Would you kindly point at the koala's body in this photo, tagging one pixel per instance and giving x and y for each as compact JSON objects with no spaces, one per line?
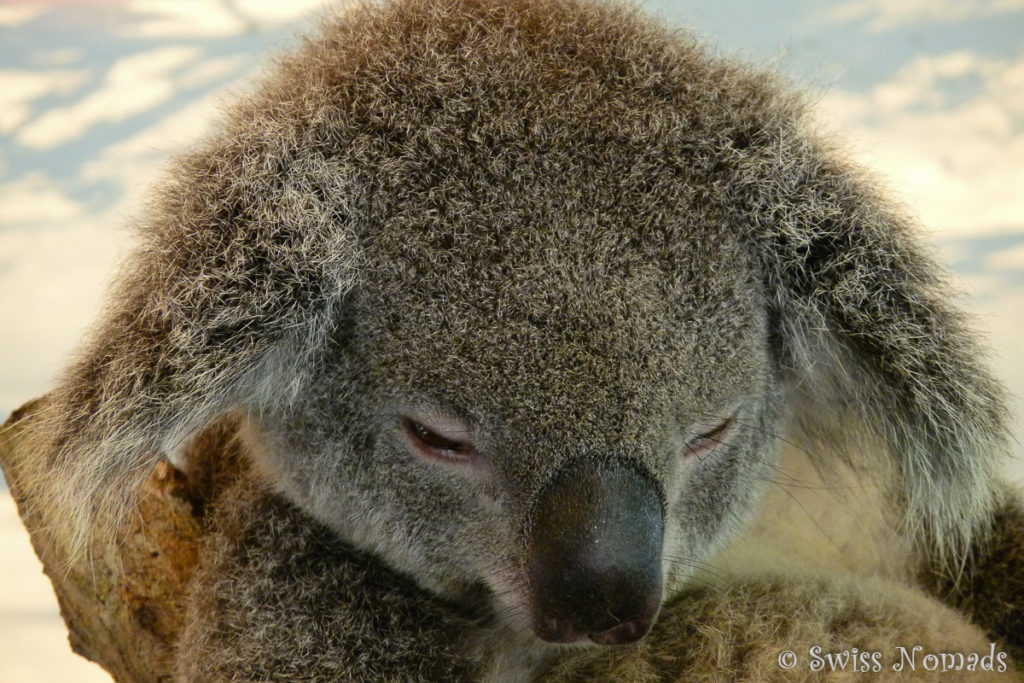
{"x":519,"y":300}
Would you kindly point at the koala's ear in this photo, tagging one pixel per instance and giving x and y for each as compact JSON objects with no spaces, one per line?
{"x":227,"y":305}
{"x":872,"y":347}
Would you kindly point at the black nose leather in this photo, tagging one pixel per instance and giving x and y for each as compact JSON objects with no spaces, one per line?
{"x":595,"y":554}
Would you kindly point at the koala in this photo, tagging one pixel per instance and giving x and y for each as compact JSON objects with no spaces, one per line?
{"x":523,"y":305}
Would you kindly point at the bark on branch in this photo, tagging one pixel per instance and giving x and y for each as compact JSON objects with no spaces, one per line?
{"x":123,"y":604}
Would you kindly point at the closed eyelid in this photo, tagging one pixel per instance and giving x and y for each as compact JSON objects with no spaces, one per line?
{"x":434,"y":437}
{"x":705,"y":438}
{"x":451,"y":443}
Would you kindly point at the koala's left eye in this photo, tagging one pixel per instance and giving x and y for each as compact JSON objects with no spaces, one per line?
{"x":708,"y":440}
{"x":430,"y":443}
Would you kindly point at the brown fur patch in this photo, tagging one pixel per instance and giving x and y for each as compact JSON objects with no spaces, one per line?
{"x":991,"y":587}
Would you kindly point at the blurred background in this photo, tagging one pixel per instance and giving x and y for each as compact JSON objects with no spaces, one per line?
{"x":96,"y":95}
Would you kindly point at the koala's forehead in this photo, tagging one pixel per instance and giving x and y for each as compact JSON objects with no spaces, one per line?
{"x":543,"y":201}
{"x":571,"y":315}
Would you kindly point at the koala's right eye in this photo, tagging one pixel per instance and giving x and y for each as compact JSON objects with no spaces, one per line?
{"x":435,"y":445}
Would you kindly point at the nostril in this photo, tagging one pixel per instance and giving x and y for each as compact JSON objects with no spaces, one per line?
{"x":629,"y":632}
{"x":559,"y":631}
{"x":565,"y":631}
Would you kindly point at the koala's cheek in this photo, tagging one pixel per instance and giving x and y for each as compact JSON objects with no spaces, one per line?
{"x":715,"y":498}
{"x":594,"y":558}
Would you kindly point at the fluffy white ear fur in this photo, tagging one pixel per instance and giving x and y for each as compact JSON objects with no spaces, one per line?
{"x":876,"y":352}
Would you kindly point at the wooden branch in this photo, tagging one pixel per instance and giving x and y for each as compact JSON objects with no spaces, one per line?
{"x":123,"y":604}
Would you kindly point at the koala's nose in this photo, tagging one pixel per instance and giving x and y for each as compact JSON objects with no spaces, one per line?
{"x":595,"y":555}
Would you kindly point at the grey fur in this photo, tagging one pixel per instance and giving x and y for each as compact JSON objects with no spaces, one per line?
{"x":566,"y":228}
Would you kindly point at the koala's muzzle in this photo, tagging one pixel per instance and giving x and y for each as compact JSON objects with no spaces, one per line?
{"x":595,"y":555}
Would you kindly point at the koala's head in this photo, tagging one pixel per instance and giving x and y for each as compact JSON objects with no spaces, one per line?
{"x":552,"y":376}
{"x":518,"y":293}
